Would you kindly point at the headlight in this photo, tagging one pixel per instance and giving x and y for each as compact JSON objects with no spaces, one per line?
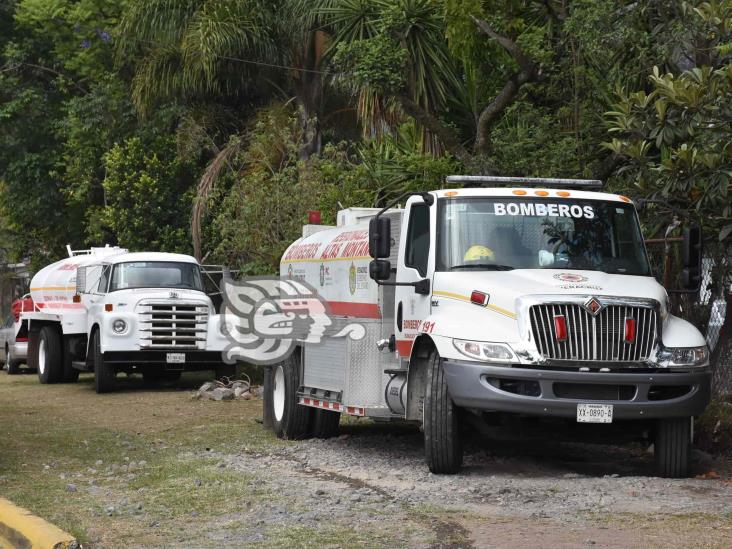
{"x":481,"y":350}
{"x":119,"y":326}
{"x":683,"y":357}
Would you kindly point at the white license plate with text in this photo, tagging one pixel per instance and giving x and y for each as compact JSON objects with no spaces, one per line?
{"x":595,"y":413}
{"x":175,"y":358}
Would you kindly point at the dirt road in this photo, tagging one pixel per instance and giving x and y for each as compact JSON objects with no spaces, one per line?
{"x":154,"y":468}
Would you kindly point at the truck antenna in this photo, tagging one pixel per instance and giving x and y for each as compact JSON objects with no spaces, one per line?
{"x":480,"y":180}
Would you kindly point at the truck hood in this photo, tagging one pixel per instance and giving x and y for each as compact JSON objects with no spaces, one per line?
{"x":453,"y":289}
{"x":506,"y":286}
{"x":130,"y":298}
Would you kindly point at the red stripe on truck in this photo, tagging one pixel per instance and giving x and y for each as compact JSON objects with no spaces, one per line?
{"x":352,"y":308}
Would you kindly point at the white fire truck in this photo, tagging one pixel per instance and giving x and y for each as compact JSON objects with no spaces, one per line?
{"x":107,"y":310}
{"x":522,"y":300}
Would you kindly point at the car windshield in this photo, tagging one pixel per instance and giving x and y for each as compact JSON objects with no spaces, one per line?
{"x":155,"y":274}
{"x":513,"y":233}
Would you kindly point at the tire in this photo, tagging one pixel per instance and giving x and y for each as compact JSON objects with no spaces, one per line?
{"x":11,"y":364}
{"x":672,"y":447}
{"x":50,"y":355}
{"x":104,"y":374}
{"x":70,"y":374}
{"x":289,"y":419}
{"x":326,"y":423}
{"x":227,"y":370}
{"x":267,"y":411}
{"x":442,"y":445}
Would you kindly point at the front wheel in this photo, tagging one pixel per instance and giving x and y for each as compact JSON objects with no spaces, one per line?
{"x":672,"y":447}
{"x":442,"y":445}
{"x":104,"y":373}
{"x":289,"y":419}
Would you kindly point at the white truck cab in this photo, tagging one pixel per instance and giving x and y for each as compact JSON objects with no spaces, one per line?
{"x":523,"y":300}
{"x":107,"y":310}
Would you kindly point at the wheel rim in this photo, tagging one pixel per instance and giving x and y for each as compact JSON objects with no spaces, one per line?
{"x":278,"y":393}
{"x":42,"y":357}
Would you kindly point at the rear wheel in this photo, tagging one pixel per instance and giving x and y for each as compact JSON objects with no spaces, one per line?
{"x":443,"y":449}
{"x":104,"y":374}
{"x":49,"y":355}
{"x":672,"y":447}
{"x":290,"y":420}
{"x":326,"y":423}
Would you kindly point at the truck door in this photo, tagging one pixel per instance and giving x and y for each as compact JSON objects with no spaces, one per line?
{"x":414,"y":264}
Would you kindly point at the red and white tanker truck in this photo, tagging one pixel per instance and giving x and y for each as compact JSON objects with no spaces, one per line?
{"x":106,"y":310}
{"x":510,"y":299}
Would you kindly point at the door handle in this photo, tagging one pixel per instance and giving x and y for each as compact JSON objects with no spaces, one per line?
{"x":399,"y":316}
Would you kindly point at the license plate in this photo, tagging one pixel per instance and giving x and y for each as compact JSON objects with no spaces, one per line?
{"x":175,"y":358}
{"x":595,"y":413}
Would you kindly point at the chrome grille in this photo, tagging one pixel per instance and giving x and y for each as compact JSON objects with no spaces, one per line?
{"x":173,"y":325}
{"x":594,"y":338}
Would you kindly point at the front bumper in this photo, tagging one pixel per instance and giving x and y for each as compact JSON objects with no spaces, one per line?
{"x":557,"y":393}
{"x":194,"y":360}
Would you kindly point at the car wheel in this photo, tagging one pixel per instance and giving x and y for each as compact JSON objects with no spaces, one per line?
{"x":11,"y":364}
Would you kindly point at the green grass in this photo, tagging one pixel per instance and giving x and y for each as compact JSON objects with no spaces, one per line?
{"x":56,"y":435}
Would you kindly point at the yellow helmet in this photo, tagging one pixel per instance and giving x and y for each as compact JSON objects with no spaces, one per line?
{"x":476,"y":253}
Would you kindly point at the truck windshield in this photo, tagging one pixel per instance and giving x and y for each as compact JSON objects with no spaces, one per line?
{"x":550,"y":233}
{"x":155,"y":274}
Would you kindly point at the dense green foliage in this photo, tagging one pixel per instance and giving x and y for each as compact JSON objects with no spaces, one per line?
{"x":215,"y":125}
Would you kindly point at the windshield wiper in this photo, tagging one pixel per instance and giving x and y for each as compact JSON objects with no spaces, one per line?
{"x":483,"y":267}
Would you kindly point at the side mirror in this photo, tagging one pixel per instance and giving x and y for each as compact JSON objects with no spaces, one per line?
{"x":81,"y":280}
{"x":380,"y":269}
{"x":380,"y":237}
{"x":691,"y":258}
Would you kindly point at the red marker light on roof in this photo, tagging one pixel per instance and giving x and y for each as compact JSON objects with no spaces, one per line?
{"x":479,"y":298}
{"x":629,"y":330}
{"x":314,"y":217}
{"x":560,"y":327}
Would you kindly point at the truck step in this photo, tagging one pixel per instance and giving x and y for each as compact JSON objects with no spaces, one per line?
{"x":79,"y":365}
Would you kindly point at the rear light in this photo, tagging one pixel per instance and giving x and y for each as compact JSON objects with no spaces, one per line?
{"x":314,"y":217}
{"x":479,"y":298}
{"x":629,"y":330}
{"x":560,"y":328}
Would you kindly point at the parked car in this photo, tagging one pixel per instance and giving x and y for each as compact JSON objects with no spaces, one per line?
{"x":14,"y":348}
